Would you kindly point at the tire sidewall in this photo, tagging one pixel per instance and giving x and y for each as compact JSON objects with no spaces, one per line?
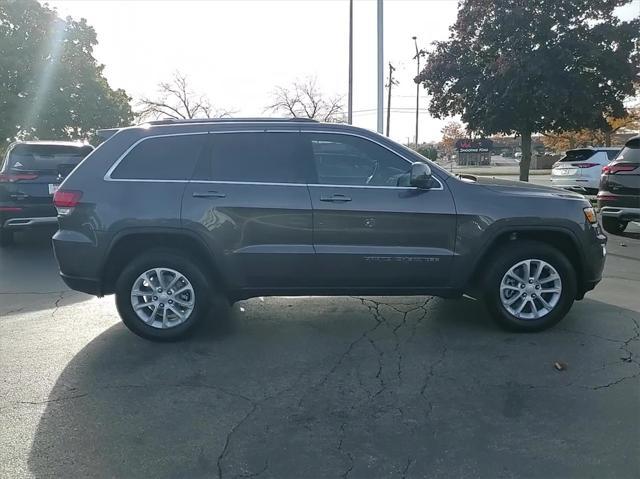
{"x":614,"y":225}
{"x":162,"y":259}
{"x":519,"y":251}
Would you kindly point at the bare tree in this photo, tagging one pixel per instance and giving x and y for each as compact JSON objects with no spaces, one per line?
{"x":177,"y":100}
{"x":305,"y":100}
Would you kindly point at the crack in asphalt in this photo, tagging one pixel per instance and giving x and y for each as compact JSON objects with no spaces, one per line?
{"x":56,"y":305}
{"x":228,"y":438}
{"x":429,"y":376}
{"x":630,"y":358}
{"x":405,"y":471}
{"x":349,"y":456}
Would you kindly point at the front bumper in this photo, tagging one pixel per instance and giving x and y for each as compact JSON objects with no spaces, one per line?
{"x":85,"y":285}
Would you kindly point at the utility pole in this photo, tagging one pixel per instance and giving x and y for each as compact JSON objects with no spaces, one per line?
{"x":417,"y":58}
{"x":380,"y":71}
{"x":350,"y":95}
{"x":392,"y":82}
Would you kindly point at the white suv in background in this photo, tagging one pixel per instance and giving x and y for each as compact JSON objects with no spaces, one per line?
{"x":580,"y":169}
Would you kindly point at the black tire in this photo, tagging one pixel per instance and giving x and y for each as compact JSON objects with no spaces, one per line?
{"x":510,"y":255}
{"x":614,"y":225}
{"x":6,"y":238}
{"x":162,"y":258}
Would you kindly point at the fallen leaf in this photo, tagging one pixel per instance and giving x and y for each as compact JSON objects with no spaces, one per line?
{"x":560,"y":366}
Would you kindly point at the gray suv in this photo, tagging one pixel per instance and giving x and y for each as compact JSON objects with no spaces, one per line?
{"x":167,"y":214}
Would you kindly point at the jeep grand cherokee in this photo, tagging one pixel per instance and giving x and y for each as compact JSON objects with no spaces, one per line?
{"x":167,"y":214}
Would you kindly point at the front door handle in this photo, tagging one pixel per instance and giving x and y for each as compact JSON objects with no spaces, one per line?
{"x":335,"y":198}
{"x":208,"y":194}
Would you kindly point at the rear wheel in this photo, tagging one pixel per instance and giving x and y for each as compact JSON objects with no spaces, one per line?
{"x":162,"y":295}
{"x":529,"y":286}
{"x":613,"y":225}
{"x":6,"y":237}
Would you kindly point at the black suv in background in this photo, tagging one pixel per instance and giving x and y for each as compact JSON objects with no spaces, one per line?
{"x":166,"y":214}
{"x":29,"y":176}
{"x":619,"y":195}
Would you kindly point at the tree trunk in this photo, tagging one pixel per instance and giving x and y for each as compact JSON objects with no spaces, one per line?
{"x":525,"y":161}
{"x":607,"y":138}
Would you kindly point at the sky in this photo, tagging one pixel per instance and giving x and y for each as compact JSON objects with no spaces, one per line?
{"x":237,"y":51}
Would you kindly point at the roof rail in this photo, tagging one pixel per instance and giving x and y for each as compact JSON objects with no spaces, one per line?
{"x":171,"y":121}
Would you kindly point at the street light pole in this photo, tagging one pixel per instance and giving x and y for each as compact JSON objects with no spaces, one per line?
{"x":417,"y":57}
{"x":350,"y":95}
{"x":380,"y":71}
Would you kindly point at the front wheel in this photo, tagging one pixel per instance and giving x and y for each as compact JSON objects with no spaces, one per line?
{"x":614,"y":225}
{"x":529,"y":286}
{"x":162,"y":295}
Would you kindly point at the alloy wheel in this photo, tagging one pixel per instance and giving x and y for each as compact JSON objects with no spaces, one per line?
{"x":530,"y":289}
{"x":162,"y":298}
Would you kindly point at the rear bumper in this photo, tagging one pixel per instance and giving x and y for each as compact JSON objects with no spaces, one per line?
{"x":85,"y":285}
{"x":79,"y":258}
{"x":620,"y":212}
{"x":581,"y":184}
{"x":27,"y":222}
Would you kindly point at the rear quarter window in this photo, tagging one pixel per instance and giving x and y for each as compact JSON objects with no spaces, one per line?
{"x":161,"y":158}
{"x":630,"y":154}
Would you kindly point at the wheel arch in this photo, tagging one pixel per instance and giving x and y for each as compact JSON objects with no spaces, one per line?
{"x":130,"y":243}
{"x":564,"y":240}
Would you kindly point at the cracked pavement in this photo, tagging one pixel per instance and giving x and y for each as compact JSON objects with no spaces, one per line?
{"x":353,"y":387}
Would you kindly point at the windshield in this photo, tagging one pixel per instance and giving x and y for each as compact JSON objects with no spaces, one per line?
{"x":44,"y":158}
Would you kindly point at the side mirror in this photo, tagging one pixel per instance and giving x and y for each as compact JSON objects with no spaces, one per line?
{"x":420,"y":176}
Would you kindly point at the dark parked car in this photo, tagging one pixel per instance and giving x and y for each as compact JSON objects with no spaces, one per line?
{"x":29,"y":175}
{"x":167,"y":214}
{"x":619,"y":195}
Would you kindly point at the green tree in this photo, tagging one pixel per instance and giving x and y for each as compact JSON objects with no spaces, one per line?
{"x":51,"y":86}
{"x":428,"y":151}
{"x":527,"y":66}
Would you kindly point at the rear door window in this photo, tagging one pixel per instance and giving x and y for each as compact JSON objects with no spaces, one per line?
{"x":45,"y":159}
{"x":578,"y":155}
{"x":262,"y":157}
{"x":162,"y":158}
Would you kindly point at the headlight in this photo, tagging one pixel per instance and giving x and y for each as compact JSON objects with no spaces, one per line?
{"x":590,"y":215}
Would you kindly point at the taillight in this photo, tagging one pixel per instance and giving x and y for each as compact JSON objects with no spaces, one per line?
{"x":66,"y":200}
{"x":11,"y":178}
{"x":584,"y":165}
{"x":613,"y":169}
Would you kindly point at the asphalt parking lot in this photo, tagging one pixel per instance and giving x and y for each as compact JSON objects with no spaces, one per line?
{"x":317,"y":387}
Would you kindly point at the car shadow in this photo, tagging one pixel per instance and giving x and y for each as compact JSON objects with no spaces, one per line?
{"x":29,"y":279}
{"x":276,"y":383}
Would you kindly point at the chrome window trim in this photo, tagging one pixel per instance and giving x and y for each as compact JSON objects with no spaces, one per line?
{"x":357,"y":135}
{"x":107,"y":176}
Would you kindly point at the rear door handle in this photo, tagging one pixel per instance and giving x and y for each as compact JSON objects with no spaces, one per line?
{"x":208,"y":194}
{"x":335,"y":198}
